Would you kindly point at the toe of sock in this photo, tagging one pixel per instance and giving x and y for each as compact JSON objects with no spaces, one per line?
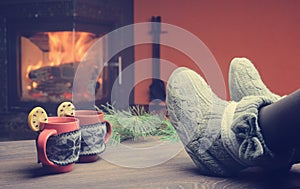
{"x":244,"y":80}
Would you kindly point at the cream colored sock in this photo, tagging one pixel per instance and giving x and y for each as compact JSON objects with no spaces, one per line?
{"x":244,"y":80}
{"x":221,"y":137}
{"x":196,"y":114}
{"x":190,"y":101}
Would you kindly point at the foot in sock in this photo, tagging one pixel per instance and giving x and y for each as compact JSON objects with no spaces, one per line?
{"x":189,"y":101}
{"x":221,"y":137}
{"x":244,"y":80}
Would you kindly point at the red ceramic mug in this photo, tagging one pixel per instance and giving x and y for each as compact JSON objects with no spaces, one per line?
{"x":95,"y":133}
{"x":58,"y":143}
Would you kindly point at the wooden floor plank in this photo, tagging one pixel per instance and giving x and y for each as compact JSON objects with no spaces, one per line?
{"x":19,"y":169}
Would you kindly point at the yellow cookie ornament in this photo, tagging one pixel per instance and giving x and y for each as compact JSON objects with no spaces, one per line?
{"x":65,"y":108}
{"x":36,"y":116}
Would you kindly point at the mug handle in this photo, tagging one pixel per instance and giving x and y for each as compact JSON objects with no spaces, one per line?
{"x":108,"y":131}
{"x":41,"y":146}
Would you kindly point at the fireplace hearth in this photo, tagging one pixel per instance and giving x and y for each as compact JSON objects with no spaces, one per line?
{"x":41,"y":44}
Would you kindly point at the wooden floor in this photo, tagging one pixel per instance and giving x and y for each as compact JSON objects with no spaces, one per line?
{"x":18,"y":169}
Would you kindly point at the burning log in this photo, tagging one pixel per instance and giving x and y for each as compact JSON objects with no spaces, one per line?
{"x":61,"y":72}
{"x":53,"y":80}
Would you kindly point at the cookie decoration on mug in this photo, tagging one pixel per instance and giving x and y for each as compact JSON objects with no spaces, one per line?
{"x":65,"y":108}
{"x":37,"y":115}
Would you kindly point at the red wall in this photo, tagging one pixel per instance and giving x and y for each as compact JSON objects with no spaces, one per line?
{"x":265,"y":31}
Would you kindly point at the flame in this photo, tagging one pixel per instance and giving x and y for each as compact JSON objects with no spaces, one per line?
{"x":33,"y":67}
{"x":65,"y":47}
{"x":34,"y":85}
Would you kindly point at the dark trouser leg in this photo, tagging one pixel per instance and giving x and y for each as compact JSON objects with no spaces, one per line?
{"x":280,"y":123}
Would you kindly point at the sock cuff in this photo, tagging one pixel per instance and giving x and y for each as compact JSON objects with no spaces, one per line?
{"x":207,"y":149}
{"x":252,"y":149}
{"x":228,"y":136}
{"x":251,"y":145}
{"x":241,"y":134}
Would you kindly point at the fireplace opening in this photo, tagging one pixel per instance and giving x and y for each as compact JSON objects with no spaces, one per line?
{"x":48,"y":64}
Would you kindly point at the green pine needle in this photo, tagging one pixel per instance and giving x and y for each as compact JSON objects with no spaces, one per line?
{"x":136,"y":122}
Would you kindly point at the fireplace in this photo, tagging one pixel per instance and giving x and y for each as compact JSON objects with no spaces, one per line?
{"x":42,"y":43}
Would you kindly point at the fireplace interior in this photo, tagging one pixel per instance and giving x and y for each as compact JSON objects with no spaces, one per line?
{"x":48,"y":63}
{"x":41,"y":44}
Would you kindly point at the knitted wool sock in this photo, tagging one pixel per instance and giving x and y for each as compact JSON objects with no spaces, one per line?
{"x":190,"y":101}
{"x":243,"y":139}
{"x":221,"y":137}
{"x":244,"y":80}
{"x":241,"y":133}
{"x":196,"y":114}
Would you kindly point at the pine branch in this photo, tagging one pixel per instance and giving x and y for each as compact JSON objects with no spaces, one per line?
{"x":137,"y":122}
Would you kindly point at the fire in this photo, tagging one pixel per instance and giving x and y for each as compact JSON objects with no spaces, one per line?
{"x":34,"y":85}
{"x":65,"y":47}
{"x":33,"y":67}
